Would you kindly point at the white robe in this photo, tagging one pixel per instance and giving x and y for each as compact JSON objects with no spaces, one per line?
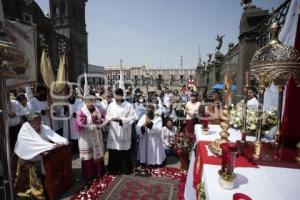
{"x":252,"y":103}
{"x":168,"y":136}
{"x":30,"y":144}
{"x":119,"y":137}
{"x":151,"y":145}
{"x":74,"y":108}
{"x":19,"y":110}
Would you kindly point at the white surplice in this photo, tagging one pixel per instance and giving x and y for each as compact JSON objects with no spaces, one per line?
{"x":73,"y":133}
{"x":151,"y":145}
{"x":119,"y":137}
{"x":19,"y":110}
{"x":31,"y":144}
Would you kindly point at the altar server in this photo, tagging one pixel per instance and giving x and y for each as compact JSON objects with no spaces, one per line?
{"x":39,"y":104}
{"x":90,"y":141}
{"x":149,"y":128}
{"x":70,"y":130}
{"x":252,"y":100}
{"x":120,"y":115}
{"x":15,"y":114}
{"x":34,"y":139}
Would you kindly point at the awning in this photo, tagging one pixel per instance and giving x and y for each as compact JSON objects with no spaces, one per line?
{"x":220,"y":86}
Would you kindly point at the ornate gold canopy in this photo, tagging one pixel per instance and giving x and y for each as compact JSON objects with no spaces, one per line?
{"x":275,"y":61}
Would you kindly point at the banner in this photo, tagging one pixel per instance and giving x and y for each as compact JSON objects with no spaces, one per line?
{"x":24,"y":38}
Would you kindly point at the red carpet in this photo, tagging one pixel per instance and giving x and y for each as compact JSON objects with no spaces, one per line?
{"x":100,"y":188}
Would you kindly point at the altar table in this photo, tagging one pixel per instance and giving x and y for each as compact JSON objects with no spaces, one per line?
{"x":258,"y":183}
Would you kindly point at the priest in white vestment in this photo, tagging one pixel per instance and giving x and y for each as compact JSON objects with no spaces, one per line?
{"x":34,"y":140}
{"x":121,"y":116}
{"x":149,"y":129}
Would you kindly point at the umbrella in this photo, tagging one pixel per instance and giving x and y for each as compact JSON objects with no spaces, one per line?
{"x":220,"y":86}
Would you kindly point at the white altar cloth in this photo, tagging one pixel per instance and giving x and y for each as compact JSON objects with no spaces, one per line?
{"x":258,"y":183}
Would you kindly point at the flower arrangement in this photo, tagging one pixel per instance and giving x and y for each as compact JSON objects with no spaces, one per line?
{"x":184,"y":141}
{"x":269,"y":118}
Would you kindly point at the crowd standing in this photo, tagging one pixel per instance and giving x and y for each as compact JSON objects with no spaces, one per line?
{"x":133,"y":127}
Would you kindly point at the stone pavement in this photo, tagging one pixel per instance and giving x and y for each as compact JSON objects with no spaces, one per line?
{"x":78,"y":183}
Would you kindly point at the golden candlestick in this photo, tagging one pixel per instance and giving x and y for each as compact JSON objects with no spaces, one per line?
{"x":214,"y":147}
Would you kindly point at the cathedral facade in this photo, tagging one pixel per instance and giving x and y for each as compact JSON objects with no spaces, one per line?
{"x":66,"y":22}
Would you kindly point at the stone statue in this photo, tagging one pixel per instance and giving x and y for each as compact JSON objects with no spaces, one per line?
{"x":246,"y":3}
{"x":209,"y":57}
{"x":220,"y":42}
{"x":230,"y":46}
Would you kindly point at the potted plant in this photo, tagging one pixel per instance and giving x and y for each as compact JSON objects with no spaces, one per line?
{"x":183,"y":145}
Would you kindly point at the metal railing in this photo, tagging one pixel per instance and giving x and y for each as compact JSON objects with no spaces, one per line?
{"x":279,"y":16}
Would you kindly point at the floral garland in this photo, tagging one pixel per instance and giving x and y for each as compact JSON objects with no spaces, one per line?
{"x":98,"y":186}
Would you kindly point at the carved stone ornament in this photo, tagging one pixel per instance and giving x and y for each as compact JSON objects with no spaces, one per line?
{"x":275,"y":61}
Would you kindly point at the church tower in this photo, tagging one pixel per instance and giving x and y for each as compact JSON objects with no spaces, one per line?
{"x":68,"y":19}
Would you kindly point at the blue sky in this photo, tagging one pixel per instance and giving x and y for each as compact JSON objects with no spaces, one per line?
{"x":157,"y":32}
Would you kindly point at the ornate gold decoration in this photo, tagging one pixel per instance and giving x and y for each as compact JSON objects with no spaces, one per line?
{"x":276,"y":63}
{"x":214,"y":147}
{"x":257,"y":150}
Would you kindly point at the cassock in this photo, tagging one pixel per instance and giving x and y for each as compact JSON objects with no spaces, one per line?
{"x":151,"y":150}
{"x":119,"y":137}
{"x":90,"y":143}
{"x":28,"y":148}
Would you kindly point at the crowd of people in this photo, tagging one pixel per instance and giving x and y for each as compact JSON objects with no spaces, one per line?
{"x":134,"y":127}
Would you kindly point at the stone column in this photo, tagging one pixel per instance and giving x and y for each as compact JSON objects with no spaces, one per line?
{"x":251,"y":17}
{"x":219,"y":58}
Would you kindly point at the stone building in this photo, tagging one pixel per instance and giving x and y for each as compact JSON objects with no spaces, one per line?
{"x":254,"y":34}
{"x":98,"y":75}
{"x":65,"y":23}
{"x":139,"y":77}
